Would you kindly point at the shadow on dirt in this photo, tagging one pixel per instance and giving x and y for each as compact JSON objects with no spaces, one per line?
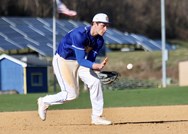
{"x":150,"y":122}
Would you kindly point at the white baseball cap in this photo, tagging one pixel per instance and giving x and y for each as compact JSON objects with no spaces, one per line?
{"x":101,"y":17}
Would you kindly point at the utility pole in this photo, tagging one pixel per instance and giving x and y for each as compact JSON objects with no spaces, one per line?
{"x":54,"y":37}
{"x":163,"y":36}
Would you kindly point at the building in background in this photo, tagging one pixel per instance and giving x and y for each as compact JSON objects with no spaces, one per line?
{"x":24,"y":74}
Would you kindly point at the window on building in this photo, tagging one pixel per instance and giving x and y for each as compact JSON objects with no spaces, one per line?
{"x":36,"y":79}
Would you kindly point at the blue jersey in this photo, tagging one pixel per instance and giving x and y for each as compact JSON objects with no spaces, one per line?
{"x":79,"y":45}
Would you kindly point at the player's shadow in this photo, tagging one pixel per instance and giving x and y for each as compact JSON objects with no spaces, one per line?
{"x":150,"y":122}
{"x":138,"y":122}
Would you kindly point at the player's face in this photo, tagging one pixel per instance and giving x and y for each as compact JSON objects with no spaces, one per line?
{"x":101,"y":28}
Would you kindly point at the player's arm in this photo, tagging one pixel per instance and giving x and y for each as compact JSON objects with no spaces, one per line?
{"x":92,"y":56}
{"x":80,"y":56}
{"x":101,"y":65}
{"x":78,"y":41}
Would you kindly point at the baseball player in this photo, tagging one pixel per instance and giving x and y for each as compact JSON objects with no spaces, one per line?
{"x":74,"y":58}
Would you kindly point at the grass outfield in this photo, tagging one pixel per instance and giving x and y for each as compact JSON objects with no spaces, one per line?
{"x":120,"y":98}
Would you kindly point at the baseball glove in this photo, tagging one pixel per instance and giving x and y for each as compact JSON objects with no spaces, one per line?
{"x":108,"y":77}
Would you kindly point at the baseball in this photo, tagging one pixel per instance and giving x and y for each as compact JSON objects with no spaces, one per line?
{"x":129,"y":66}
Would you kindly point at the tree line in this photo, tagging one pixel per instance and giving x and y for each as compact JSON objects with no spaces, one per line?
{"x":132,"y":16}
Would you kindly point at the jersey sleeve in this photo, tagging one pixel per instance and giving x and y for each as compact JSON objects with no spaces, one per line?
{"x":80,"y":56}
{"x":78,"y":41}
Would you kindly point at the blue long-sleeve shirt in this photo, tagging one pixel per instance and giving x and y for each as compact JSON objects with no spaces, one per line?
{"x":79,"y":45}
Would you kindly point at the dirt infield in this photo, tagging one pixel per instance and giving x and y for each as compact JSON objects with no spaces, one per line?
{"x":133,"y":120}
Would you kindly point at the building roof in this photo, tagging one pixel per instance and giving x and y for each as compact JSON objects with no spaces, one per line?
{"x":26,"y":60}
{"x":12,"y":59}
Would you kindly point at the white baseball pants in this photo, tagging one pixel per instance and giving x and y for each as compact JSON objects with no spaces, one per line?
{"x":68,"y":73}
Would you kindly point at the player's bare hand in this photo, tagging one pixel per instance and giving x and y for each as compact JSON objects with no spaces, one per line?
{"x":105,"y":61}
{"x":100,"y":66}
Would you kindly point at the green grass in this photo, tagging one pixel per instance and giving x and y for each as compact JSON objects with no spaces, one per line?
{"x":120,"y":98}
{"x":147,"y":65}
{"x":147,"y":97}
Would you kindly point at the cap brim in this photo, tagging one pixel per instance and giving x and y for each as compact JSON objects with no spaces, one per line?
{"x":102,"y":22}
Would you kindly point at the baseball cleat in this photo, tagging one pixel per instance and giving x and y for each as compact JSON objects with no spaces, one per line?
{"x":100,"y":121}
{"x":42,"y":109}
